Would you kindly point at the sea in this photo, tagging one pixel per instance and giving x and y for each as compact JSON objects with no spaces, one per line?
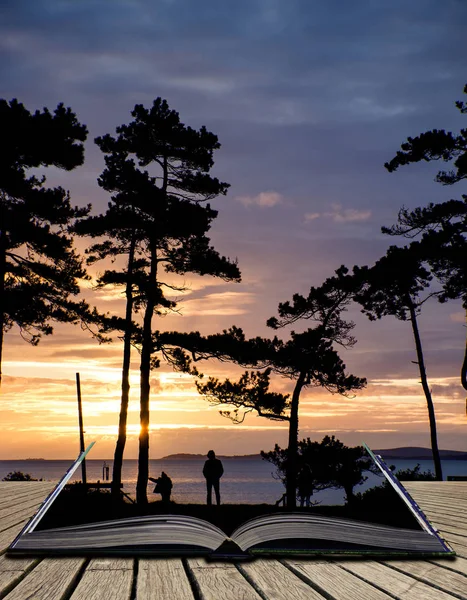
{"x":245,"y":481}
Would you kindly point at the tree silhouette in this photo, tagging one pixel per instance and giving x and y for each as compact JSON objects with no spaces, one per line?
{"x":333,"y":465}
{"x":323,"y":305}
{"x":306,"y":358}
{"x":162,"y":206}
{"x":118,"y":228}
{"x":249,"y":393}
{"x":39,"y":269}
{"x":392,"y":287}
{"x":443,"y":226}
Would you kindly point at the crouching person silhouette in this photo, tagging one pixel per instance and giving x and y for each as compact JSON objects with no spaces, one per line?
{"x":213,"y":471}
{"x":163,"y":487}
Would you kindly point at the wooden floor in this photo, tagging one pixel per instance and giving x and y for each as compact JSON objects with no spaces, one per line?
{"x":445,"y":503}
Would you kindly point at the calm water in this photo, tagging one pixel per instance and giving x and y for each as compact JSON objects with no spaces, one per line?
{"x":244,"y":481}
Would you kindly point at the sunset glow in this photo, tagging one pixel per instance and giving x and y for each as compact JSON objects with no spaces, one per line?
{"x":308,"y":106}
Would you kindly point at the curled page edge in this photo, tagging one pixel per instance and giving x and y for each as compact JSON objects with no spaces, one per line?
{"x":406,"y":497}
{"x":32,"y":523}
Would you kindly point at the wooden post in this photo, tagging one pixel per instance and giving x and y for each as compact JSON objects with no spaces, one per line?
{"x":81,"y":427}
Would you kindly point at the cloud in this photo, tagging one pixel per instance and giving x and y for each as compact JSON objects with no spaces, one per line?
{"x":223,"y":303}
{"x":308,"y":100}
{"x":263,"y":199}
{"x":338,"y":214}
{"x":458,"y":317}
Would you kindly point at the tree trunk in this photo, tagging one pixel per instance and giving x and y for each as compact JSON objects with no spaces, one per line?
{"x":349,"y":495}
{"x":292,"y":451}
{"x":464,"y":364}
{"x":122,"y":420}
{"x":145,"y":371}
{"x":426,"y":389}
{"x":2,"y":295}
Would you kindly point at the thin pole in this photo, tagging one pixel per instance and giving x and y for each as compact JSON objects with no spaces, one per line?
{"x":81,"y":427}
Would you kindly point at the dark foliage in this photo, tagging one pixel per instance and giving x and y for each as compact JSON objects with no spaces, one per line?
{"x":437,"y":144}
{"x":443,"y":226}
{"x":333,"y":465}
{"x":308,"y":358}
{"x":39,"y":269}
{"x":18,"y":476}
{"x":157,"y":170}
{"x":392,"y":287}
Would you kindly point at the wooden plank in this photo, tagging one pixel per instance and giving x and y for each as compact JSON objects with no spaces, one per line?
{"x":453,"y":484}
{"x":448,"y":518}
{"x":6,"y":484}
{"x":447,"y":489}
{"x":22,"y":515}
{"x":457,"y":511}
{"x":164,"y":579}
{"x":459,"y":549}
{"x":217,"y":581}
{"x":441,"y":501}
{"x":11,"y":487}
{"x":8,"y":535}
{"x":111,"y":578}
{"x":456,"y":564}
{"x":448,"y":524}
{"x":31,"y":504}
{"x":7,"y":487}
{"x":434,"y":513}
{"x":12,"y":570}
{"x":434,"y":574}
{"x":52,"y":579}
{"x":448,"y":534}
{"x":277,"y":582}
{"x":7,"y":494}
{"x":333,"y":580}
{"x":439,"y":498}
{"x":13,"y":499}
{"x":392,"y":581}
{"x":450,"y":490}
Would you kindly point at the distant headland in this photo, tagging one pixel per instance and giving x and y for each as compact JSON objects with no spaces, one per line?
{"x":416,"y":453}
{"x":405,"y":453}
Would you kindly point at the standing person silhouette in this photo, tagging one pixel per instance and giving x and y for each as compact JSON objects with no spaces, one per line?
{"x":213,"y":471}
{"x":305,"y":485}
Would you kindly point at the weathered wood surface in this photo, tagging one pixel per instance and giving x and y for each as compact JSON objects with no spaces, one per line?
{"x":335,"y":581}
{"x":220,"y":580}
{"x":105,"y":578}
{"x":444,"y":503}
{"x":278,"y":582}
{"x":51,"y":579}
{"x":396,"y":583}
{"x":164,"y":579}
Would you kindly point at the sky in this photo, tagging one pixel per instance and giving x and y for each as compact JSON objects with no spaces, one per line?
{"x":309,"y":99}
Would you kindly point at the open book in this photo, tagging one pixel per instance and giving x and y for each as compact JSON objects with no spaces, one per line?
{"x":297,"y":533}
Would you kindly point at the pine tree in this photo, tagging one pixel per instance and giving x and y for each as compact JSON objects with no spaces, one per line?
{"x":442,"y":226}
{"x":158,"y":171}
{"x":39,"y":269}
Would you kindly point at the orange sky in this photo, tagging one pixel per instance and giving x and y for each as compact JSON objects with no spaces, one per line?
{"x":38,"y":409}
{"x":308,"y":104}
